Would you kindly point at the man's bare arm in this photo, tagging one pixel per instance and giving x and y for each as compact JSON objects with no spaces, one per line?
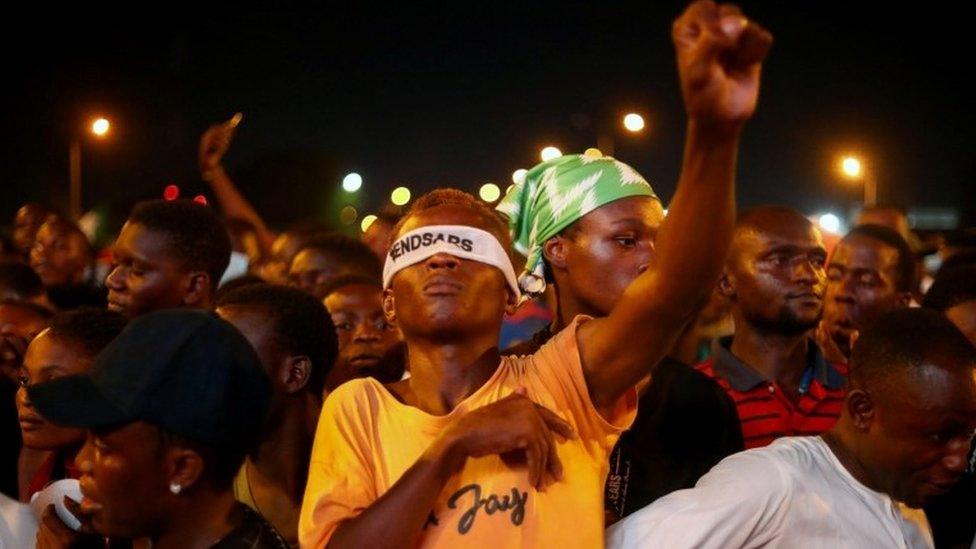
{"x":213,"y":145}
{"x":719,"y":57}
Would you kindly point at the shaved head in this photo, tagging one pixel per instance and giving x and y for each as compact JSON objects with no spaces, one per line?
{"x":897,"y":351}
{"x":773,"y":220}
{"x":910,"y":410}
{"x":774,"y":275}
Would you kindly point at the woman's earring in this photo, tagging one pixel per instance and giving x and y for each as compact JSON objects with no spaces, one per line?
{"x":175,"y":488}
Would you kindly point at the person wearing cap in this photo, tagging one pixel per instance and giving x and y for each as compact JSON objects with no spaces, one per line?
{"x":171,"y":407}
{"x":476,"y":449}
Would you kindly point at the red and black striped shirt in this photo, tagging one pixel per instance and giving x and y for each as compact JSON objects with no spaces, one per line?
{"x":765,"y":412}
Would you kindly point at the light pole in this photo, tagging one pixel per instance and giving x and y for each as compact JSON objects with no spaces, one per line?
{"x":100,"y":128}
{"x":605,"y":141}
{"x":853,"y":168}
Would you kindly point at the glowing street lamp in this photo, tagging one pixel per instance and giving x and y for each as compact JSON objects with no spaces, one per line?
{"x":366,"y":222}
{"x":400,"y":196}
{"x":518,"y":175}
{"x":634,"y":122}
{"x":550,"y":153}
{"x":99,"y":127}
{"x":489,"y":192}
{"x":352,"y":182}
{"x":853,"y":168}
{"x":829,"y":222}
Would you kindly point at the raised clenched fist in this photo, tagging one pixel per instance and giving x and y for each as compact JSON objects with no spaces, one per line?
{"x":720,"y":54}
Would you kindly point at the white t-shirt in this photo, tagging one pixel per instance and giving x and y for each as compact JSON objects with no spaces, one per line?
{"x":793,"y":493}
{"x":18,"y":527}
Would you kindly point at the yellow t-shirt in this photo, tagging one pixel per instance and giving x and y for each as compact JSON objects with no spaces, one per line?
{"x":367,"y":439}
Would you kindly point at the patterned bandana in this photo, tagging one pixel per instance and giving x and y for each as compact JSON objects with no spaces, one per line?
{"x":554,"y":194}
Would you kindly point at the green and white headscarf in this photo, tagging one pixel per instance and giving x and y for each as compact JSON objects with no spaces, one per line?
{"x":556,"y":193}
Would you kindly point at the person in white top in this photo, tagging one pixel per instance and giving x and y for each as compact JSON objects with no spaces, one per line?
{"x":909,"y":417}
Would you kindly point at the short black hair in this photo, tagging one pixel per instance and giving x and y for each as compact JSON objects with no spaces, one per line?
{"x":950,"y":288}
{"x":495,"y":223}
{"x":350,"y":280}
{"x":196,"y":236}
{"x":903,"y":340}
{"x":221,"y":464}
{"x":346,"y":250}
{"x":88,"y":328}
{"x":301,"y":325}
{"x":238,"y":282}
{"x":905,"y":265}
{"x":20,"y":280}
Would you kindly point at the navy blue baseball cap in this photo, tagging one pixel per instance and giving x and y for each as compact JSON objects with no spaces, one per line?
{"x":188,"y":372}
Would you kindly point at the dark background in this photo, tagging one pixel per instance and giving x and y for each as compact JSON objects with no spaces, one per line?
{"x":460,"y":94}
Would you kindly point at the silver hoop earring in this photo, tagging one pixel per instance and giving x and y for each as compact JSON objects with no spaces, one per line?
{"x":175,"y":488}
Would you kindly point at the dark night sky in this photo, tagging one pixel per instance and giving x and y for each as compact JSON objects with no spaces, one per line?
{"x":461,"y":95}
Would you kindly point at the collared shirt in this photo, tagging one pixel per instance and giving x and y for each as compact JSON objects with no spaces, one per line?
{"x":765,"y":411}
{"x":793,"y":493}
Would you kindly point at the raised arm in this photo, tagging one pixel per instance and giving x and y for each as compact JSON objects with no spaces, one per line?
{"x":213,"y":145}
{"x":719,"y":57}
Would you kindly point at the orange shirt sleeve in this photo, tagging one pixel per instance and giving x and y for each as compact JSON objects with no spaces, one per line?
{"x":340,"y":478}
{"x":558,"y":367}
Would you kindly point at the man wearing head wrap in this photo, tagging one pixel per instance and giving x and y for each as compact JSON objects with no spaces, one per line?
{"x":475,"y":449}
{"x":587,"y":224}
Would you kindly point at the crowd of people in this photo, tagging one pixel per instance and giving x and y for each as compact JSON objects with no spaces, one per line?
{"x":684,"y":377}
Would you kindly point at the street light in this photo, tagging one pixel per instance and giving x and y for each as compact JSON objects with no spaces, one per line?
{"x":854,"y":169}
{"x":550,"y":153}
{"x":851,"y":166}
{"x":400,"y":196}
{"x":348,"y":214}
{"x":99,"y":128}
{"x":518,"y":175}
{"x":634,"y":122}
{"x":366,"y":222}
{"x":352,"y":182}
{"x":489,"y":192}
{"x":607,"y":130}
{"x":829,"y":222}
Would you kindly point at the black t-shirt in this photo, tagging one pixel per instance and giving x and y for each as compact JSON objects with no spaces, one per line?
{"x":685,"y":425}
{"x":253,"y":533}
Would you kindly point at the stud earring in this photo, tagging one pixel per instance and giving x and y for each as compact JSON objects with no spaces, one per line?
{"x":175,"y":488}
